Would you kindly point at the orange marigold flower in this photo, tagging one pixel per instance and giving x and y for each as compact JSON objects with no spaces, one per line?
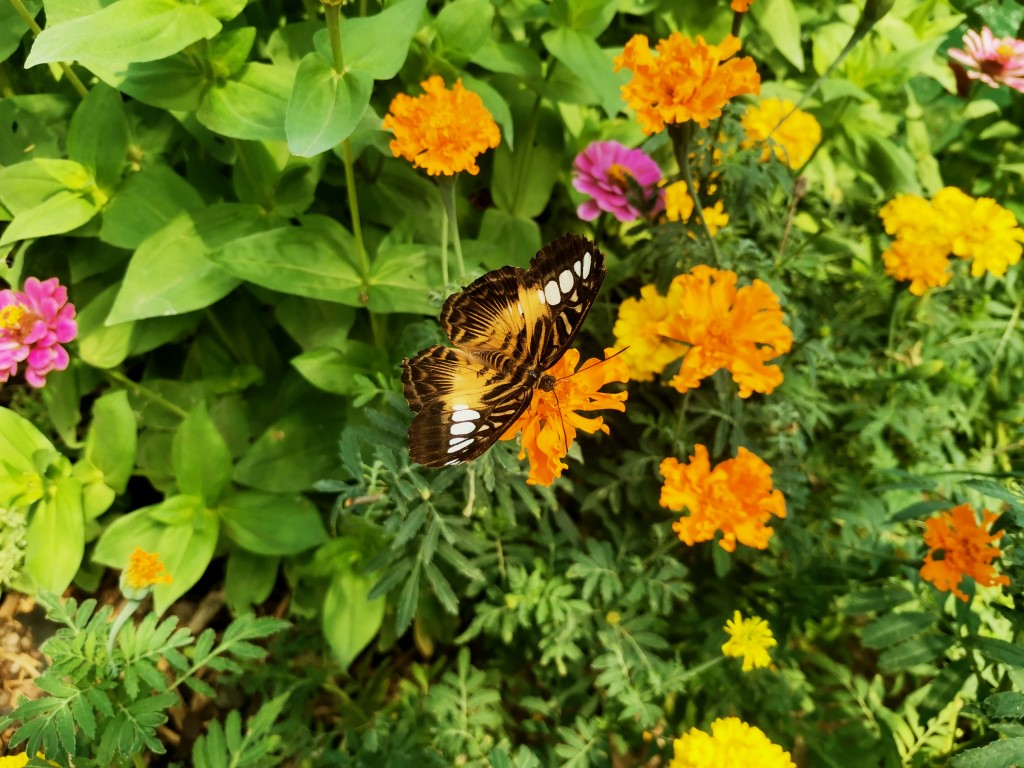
{"x":636,"y":328}
{"x":441,"y":131}
{"x":789,"y":133}
{"x":736,"y":498}
{"x":986,"y":232}
{"x":966,"y":550}
{"x":741,"y":6}
{"x":144,"y":570}
{"x":924,"y":267}
{"x":687,"y":80}
{"x":549,"y":425}
{"x":731,"y":742}
{"x":725,"y":327}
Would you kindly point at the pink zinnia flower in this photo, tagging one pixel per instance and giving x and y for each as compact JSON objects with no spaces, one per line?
{"x":620,"y":180}
{"x":33,"y":325}
{"x":992,"y":60}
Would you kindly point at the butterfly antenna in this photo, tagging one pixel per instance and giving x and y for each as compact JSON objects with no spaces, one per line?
{"x":599,"y":362}
{"x":558,"y":405}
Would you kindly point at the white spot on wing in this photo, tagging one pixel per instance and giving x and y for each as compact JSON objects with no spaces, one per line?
{"x":458,"y":443}
{"x":577,"y":268}
{"x":463,"y":428}
{"x":453,"y":461}
{"x":586,"y":264}
{"x":465,"y":414}
{"x":459,"y":407}
{"x":565,"y":281}
{"x":552,"y":293}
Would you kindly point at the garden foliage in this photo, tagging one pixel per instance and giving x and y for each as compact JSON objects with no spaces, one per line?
{"x":226,"y":223}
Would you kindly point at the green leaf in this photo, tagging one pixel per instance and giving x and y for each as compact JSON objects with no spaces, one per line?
{"x":778,"y":18}
{"x":140,"y":528}
{"x":324,"y":107}
{"x":400,"y":276}
{"x":20,"y":441}
{"x":60,"y":213}
{"x":894,"y":628}
{"x":333,"y":370}
{"x":111,"y":440}
{"x":464,"y":26}
{"x":515,"y":234}
{"x":145,"y":203}
{"x":997,"y":650}
{"x":186,"y":551}
{"x":350,"y":619}
{"x":314,"y":324}
{"x":249,"y":579}
{"x":175,"y":83}
{"x":1005,"y":705}
{"x":496,"y":105}
{"x":272,"y":523}
{"x":229,"y":51}
{"x":13,"y":27}
{"x":98,"y":135}
{"x":56,"y":537}
{"x":170,"y":273}
{"x":250,"y":105}
{"x":522,"y":182}
{"x":919,"y":650}
{"x":314,"y":260}
{"x":582,"y":55}
{"x":202,"y":462}
{"x":125,"y":31}
{"x":26,"y":185}
{"x":1005,"y":753}
{"x":379,"y":44}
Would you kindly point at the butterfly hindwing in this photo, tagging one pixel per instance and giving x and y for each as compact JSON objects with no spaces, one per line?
{"x":485,"y":315}
{"x":463,"y":403}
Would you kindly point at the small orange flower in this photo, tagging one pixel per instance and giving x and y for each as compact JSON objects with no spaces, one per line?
{"x":725,"y":327}
{"x":687,"y":81}
{"x":441,"y":131}
{"x":966,"y":550}
{"x":736,"y":498}
{"x":550,"y":413}
{"x":144,"y":570}
{"x":741,"y":6}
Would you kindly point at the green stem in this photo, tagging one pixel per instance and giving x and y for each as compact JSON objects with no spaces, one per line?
{"x":1011,"y":326}
{"x":147,"y":393}
{"x":444,"y":245}
{"x":119,"y":620}
{"x":333,"y":19}
{"x":30,"y":21}
{"x":447,"y":186}
{"x":681,"y":134}
{"x":353,"y":208}
{"x":6,"y":87}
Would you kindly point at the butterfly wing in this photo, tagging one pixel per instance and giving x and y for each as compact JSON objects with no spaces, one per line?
{"x":463,"y":404}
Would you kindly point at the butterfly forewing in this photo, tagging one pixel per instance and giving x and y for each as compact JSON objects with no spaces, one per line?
{"x":509,"y":326}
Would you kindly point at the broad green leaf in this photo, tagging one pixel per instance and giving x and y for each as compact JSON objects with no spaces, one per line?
{"x":332,"y":369}
{"x":126,"y":31}
{"x":401,"y":277}
{"x":379,"y":44}
{"x":524,"y":191}
{"x":272,"y":523}
{"x":30,"y":127}
{"x":229,"y":51}
{"x":582,"y":55}
{"x":1003,"y":753}
{"x":26,"y":185}
{"x":1007,"y":704}
{"x":144,"y":203}
{"x":314,"y":324}
{"x":778,"y":18}
{"x":894,"y":628}
{"x":56,"y":537}
{"x":249,"y":579}
{"x":324,"y":107}
{"x":111,"y":440}
{"x":202,"y":462}
{"x":250,"y":105}
{"x":140,"y":528}
{"x":186,"y":552}
{"x":60,"y":213}
{"x":919,"y":650}
{"x":170,"y":272}
{"x":514,"y":234}
{"x":19,"y":442}
{"x":999,"y":651}
{"x":589,"y":17}
{"x":350,"y":619}
{"x":98,"y":135}
{"x":223,"y":9}
{"x":315,"y":260}
{"x":464,"y":26}
{"x":509,"y":59}
{"x":175,"y":83}
{"x":891,"y":166}
{"x":13,"y":27}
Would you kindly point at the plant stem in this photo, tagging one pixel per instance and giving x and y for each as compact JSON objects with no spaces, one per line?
{"x":444,"y":245}
{"x":333,"y":19}
{"x":447,"y":186}
{"x":119,"y":620}
{"x":30,"y":21}
{"x":681,"y":134}
{"x":147,"y":393}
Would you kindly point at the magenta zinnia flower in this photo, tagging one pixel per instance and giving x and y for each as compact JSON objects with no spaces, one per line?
{"x":992,"y":60}
{"x":620,"y":180}
{"x":33,"y":325}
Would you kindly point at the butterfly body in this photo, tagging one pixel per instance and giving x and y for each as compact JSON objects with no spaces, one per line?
{"x":509,"y":326}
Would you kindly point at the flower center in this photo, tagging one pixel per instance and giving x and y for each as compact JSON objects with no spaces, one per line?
{"x":17,"y":321}
{"x":1004,"y":51}
{"x":992,"y":67}
{"x":619,"y":175}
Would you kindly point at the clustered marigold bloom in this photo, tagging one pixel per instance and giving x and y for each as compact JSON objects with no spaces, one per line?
{"x":993,"y":60}
{"x":687,"y":80}
{"x":679,"y":207}
{"x":749,"y":639}
{"x":34,"y":323}
{"x":736,"y":498}
{"x":145,"y":570}
{"x":549,"y":425}
{"x":792,"y":140}
{"x":927,"y":232}
{"x":441,"y":131}
{"x":646,"y":353}
{"x":620,"y":180}
{"x":730,"y":744}
{"x":966,"y":550}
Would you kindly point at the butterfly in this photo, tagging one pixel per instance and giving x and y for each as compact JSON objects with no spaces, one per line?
{"x":509,"y":326}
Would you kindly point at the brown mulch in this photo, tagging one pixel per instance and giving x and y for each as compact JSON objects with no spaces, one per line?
{"x":20,"y":660}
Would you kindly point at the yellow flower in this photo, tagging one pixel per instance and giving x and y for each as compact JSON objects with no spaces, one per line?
{"x":731,"y":744}
{"x":145,"y":570}
{"x":715,"y":217}
{"x":725,"y":327}
{"x":679,"y":207}
{"x":987,"y":233}
{"x":687,"y":81}
{"x":21,"y":760}
{"x":736,"y":498}
{"x":636,"y":328}
{"x":750,"y":640}
{"x":441,"y":131}
{"x":549,"y":425}
{"x":966,"y":549}
{"x":792,"y":140}
{"x":924,"y":267}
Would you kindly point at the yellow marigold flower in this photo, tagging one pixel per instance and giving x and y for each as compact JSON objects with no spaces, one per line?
{"x":687,"y":80}
{"x":749,"y":639}
{"x":679,"y":207}
{"x":731,"y":743}
{"x":144,"y":570}
{"x":736,"y":498}
{"x":441,"y":131}
{"x":966,"y":549}
{"x":715,"y":217}
{"x":925,"y":267}
{"x":791,"y":139}
{"x":725,"y":327}
{"x":21,"y":760}
{"x":549,"y":425}
{"x":987,"y":233}
{"x":741,"y":6}
{"x":636,"y":328}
